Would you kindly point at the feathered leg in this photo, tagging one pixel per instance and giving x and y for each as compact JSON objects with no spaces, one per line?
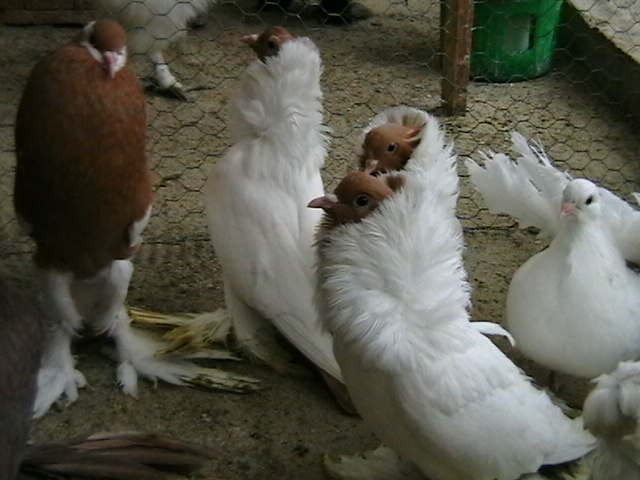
{"x":162,"y":78}
{"x":57,"y":376}
{"x":137,"y":355}
{"x":257,"y":337}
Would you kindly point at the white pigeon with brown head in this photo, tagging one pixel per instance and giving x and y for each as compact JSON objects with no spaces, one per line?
{"x":256,"y":202}
{"x":392,"y":291}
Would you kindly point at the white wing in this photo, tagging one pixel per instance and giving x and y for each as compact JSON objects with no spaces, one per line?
{"x":530,"y":190}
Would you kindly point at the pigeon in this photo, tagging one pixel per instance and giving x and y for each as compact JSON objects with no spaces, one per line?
{"x":256,"y":198}
{"x":611,"y":412}
{"x":83,"y":192}
{"x":391,"y":137}
{"x":152,"y":25}
{"x":393,"y":293}
{"x":530,"y":190}
{"x":574,"y":307}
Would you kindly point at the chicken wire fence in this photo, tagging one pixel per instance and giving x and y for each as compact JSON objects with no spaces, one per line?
{"x":582,"y":111}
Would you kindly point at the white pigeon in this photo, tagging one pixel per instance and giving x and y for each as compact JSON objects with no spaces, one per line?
{"x":392,"y":291}
{"x":256,"y":199}
{"x":530,"y":188}
{"x":152,"y":25}
{"x":611,"y":413}
{"x":574,"y":307}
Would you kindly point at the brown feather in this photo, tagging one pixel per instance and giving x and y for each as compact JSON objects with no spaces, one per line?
{"x":81,"y":177}
{"x":116,"y":456}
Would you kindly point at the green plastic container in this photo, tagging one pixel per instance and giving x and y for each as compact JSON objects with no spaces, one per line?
{"x":513,"y":40}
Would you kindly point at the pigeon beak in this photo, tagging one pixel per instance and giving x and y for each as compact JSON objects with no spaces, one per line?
{"x":370,"y":166}
{"x":568,"y":208}
{"x":325,"y":203}
{"x":110,"y":63}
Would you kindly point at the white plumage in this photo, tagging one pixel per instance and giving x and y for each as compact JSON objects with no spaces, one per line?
{"x":152,"y":25}
{"x":611,"y":413}
{"x":392,"y":291}
{"x":256,"y":201}
{"x":574,"y":307}
{"x":530,"y":190}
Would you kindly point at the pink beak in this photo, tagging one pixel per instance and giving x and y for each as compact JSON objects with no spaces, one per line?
{"x":568,"y":208}
{"x":110,"y":62}
{"x":325,"y":202}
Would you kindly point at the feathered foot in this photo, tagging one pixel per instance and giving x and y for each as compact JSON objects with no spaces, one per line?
{"x":162,"y":80}
{"x":138,"y":355}
{"x":57,"y":378}
{"x":115,"y":456}
{"x":380,"y":464}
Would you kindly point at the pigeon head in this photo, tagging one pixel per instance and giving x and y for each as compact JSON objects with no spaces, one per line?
{"x":268,"y":43}
{"x":391,"y":144}
{"x":355,"y":197}
{"x":106,"y":40}
{"x":580,"y":199}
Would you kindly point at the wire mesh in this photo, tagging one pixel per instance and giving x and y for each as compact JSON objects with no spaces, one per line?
{"x":582,"y":111}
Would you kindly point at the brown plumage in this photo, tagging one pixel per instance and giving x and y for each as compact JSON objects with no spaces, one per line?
{"x":356,"y":196}
{"x":391,"y":144}
{"x":83,"y":193}
{"x":268,"y":43}
{"x":21,"y":339}
{"x":125,"y":456}
{"x":82,"y":178}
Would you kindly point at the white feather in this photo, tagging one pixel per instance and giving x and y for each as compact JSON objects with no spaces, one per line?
{"x":611,"y":412}
{"x":393,"y":292}
{"x":530,"y":190}
{"x":256,"y":198}
{"x":573,"y":307}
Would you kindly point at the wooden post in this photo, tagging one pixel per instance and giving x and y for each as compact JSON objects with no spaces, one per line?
{"x":456,"y":23}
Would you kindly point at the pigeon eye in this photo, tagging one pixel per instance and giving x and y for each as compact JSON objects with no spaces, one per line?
{"x":362,"y":201}
{"x":589,"y":200}
{"x":392,"y":147}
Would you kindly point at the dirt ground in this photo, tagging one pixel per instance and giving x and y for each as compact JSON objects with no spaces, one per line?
{"x":281,"y":431}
